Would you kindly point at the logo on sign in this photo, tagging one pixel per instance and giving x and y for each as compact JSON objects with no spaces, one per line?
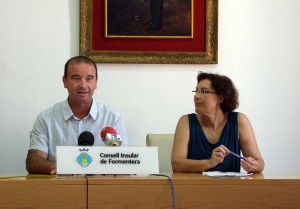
{"x":84,"y":159}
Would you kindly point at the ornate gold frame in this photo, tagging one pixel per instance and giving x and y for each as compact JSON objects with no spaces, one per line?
{"x":210,"y":56}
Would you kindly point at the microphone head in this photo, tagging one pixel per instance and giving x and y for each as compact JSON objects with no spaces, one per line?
{"x":86,"y":138}
{"x":107,"y":130}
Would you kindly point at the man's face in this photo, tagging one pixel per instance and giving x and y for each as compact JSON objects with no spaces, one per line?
{"x":81,"y":83}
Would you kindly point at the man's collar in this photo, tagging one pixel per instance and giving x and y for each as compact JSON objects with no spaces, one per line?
{"x":67,"y":111}
{"x":94,"y":110}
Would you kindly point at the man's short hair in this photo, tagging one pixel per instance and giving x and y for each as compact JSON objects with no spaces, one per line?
{"x":80,"y":59}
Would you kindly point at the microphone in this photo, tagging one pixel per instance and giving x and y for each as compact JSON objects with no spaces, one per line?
{"x":86,"y":138}
{"x":110,"y":137}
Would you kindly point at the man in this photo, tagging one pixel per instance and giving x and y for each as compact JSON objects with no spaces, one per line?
{"x":63,"y":123}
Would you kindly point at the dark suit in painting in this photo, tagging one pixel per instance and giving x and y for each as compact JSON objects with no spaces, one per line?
{"x":156,"y":14}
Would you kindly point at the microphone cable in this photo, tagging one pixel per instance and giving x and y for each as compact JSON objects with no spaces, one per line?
{"x":172,"y":188}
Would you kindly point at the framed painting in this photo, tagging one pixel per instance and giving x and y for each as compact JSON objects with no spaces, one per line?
{"x":149,"y":31}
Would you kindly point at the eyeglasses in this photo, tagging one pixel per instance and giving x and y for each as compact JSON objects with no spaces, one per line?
{"x":204,"y":91}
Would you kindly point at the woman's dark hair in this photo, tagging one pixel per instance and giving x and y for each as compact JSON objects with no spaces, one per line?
{"x":222,"y":86}
{"x":79,"y":59}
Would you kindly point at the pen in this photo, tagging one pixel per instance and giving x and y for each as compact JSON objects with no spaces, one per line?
{"x":241,"y":157}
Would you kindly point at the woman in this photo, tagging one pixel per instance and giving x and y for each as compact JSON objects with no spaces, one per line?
{"x":204,"y":141}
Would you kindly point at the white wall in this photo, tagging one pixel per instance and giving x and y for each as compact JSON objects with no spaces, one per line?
{"x":258,"y":49}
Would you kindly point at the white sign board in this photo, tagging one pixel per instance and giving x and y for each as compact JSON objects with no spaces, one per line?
{"x":106,"y":160}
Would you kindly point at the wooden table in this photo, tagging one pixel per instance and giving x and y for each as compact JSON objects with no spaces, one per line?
{"x":192,"y":190}
{"x":43,"y":192}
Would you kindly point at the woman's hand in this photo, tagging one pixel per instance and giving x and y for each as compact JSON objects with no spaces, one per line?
{"x":250,"y":165}
{"x":218,"y":155}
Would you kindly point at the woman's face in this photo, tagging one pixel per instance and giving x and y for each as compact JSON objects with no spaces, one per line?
{"x":206,"y":99}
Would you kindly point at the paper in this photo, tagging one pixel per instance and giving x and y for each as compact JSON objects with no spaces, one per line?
{"x":225,"y":174}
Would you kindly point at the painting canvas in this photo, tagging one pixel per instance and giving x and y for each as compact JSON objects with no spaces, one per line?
{"x":149,"y":18}
{"x":123,"y":31}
